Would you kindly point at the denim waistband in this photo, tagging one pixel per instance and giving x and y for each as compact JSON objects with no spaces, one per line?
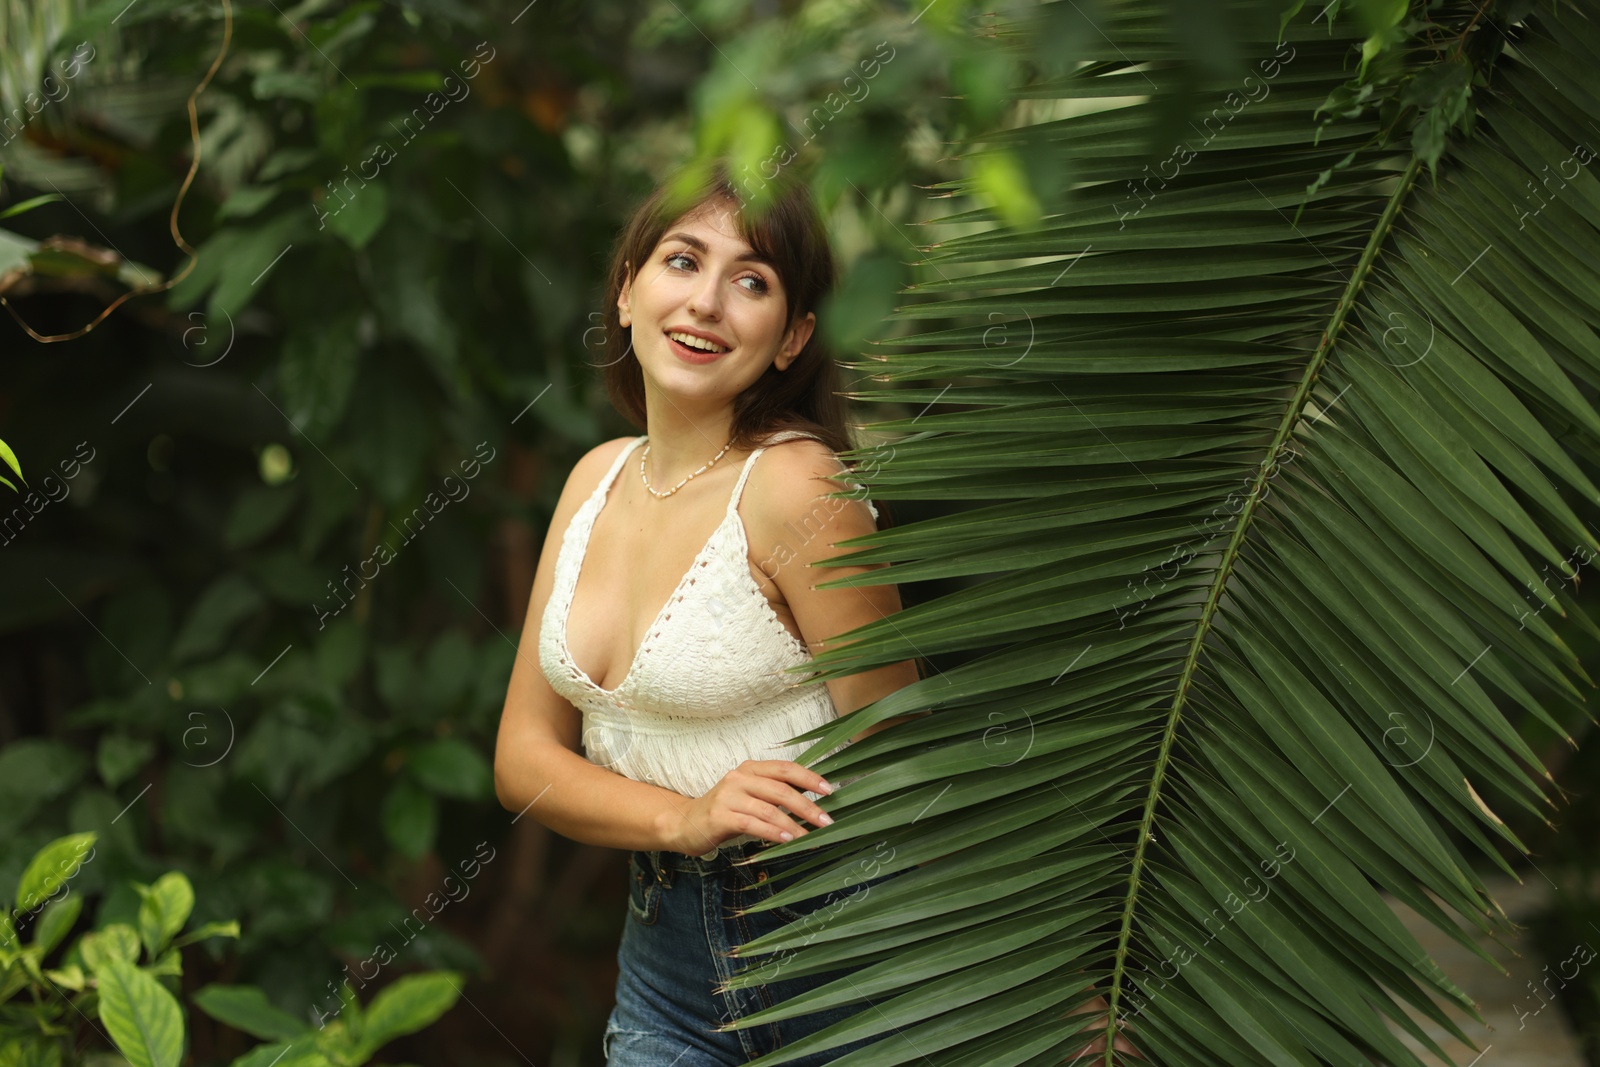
{"x":721,"y":860}
{"x":712,"y":863}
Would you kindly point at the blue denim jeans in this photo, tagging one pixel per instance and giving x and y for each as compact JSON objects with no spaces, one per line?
{"x":675,"y":949}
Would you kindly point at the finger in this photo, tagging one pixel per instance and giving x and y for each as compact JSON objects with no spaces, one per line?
{"x":794,"y":774}
{"x":729,"y":822}
{"x":790,"y":798}
{"x":770,"y":815}
{"x":768,"y":832}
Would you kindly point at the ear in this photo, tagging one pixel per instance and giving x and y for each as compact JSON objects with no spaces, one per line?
{"x":795,"y":340}
{"x":624,"y":315}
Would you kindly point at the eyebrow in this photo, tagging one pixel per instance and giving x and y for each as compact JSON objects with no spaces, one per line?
{"x":700,"y":246}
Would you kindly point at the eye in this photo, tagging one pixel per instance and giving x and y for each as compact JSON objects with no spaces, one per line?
{"x":761,"y":286}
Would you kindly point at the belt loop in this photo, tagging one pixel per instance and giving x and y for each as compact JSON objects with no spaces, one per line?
{"x":660,"y":868}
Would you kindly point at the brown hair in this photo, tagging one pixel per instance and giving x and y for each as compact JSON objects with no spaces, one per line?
{"x":788,"y":231}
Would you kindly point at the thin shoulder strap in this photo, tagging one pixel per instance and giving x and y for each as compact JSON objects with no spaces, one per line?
{"x":750,"y":461}
{"x":616,"y":465}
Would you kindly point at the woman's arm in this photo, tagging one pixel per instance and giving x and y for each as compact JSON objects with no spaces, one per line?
{"x":538,"y":766}
{"x":539,"y":769}
{"x":793,"y":525}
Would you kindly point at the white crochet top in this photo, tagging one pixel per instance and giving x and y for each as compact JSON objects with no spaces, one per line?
{"x":706,"y":689}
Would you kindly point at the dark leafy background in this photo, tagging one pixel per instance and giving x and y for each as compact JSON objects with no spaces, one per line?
{"x":261,"y":429}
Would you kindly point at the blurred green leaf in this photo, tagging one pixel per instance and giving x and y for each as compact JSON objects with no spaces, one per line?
{"x":246,"y":201}
{"x":302,"y":1053}
{"x":348,"y":25}
{"x":447,"y":672}
{"x":1004,"y":185}
{"x":244,"y":262}
{"x":113,"y":943}
{"x":218,"y":681}
{"x":273,"y":84}
{"x":289,"y":578}
{"x":144,"y":1019}
{"x":410,"y":818}
{"x":55,"y":922}
{"x":865,"y":295}
{"x":398,"y":676}
{"x":397,"y":437}
{"x":206,"y":931}
{"x":358,"y":218}
{"x":453,"y":768}
{"x":318,"y":371}
{"x":119,"y":756}
{"x":257,"y":512}
{"x":166,"y":906}
{"x":285,"y":161}
{"x":224,"y":605}
{"x":247,"y":1008}
{"x":30,"y":204}
{"x":51,"y":868}
{"x":1433,"y":83}
{"x":33,"y":772}
{"x":341,"y":652}
{"x":406,"y":289}
{"x":408,"y":1005}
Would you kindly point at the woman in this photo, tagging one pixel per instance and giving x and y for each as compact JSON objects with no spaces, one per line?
{"x":673,"y":589}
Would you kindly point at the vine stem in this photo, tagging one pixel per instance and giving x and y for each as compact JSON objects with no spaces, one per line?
{"x":1291,"y":416}
{"x":1461,"y":39}
{"x":172,"y":221}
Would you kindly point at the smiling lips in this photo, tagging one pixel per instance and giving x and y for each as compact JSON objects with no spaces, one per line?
{"x":692,"y":348}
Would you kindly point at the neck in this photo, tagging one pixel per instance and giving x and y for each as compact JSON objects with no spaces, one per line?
{"x":683,"y":438}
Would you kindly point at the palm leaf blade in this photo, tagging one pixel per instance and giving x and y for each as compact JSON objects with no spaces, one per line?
{"x":1261,"y":507}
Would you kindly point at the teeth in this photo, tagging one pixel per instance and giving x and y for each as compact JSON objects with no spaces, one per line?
{"x":696,"y":342}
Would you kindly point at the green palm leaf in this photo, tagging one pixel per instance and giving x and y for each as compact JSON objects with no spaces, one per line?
{"x":1271,"y":477}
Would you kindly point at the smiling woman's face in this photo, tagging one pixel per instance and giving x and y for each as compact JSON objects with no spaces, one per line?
{"x":704,"y":280}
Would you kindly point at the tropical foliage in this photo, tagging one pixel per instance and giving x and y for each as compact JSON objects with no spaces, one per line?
{"x":263,"y":583}
{"x":258,"y":616}
{"x":354,"y":1038}
{"x":10,"y":459}
{"x":99,"y":980}
{"x":99,"y":977}
{"x":1272,"y":456}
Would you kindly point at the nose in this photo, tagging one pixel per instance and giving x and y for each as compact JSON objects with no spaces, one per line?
{"x":706,"y":299}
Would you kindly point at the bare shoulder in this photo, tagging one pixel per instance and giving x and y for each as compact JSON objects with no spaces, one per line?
{"x":599,"y":459}
{"x":585,"y":477}
{"x":592,"y":466}
{"x":787,"y":470}
{"x":789,"y":491}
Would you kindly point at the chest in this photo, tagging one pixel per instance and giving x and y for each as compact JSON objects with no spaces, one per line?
{"x":649,"y":595}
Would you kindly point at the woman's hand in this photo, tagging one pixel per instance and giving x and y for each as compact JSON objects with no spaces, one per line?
{"x":748,"y":800}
